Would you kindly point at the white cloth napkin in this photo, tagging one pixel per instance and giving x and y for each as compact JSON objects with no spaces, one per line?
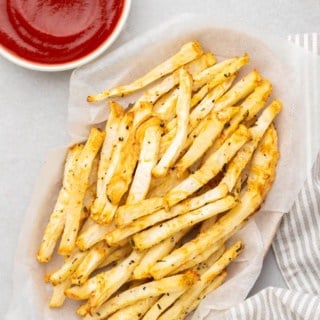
{"x":296,"y":244}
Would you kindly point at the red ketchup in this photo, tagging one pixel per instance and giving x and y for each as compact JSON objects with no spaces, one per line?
{"x":56,"y":31}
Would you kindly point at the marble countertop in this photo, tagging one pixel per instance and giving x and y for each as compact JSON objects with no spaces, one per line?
{"x":33,"y":108}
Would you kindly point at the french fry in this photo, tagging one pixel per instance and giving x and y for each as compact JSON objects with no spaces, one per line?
{"x":57,"y":298}
{"x":68,"y":268}
{"x":92,"y":234}
{"x":217,"y":73}
{"x":165,"y":107}
{"x":134,"y":311}
{"x":116,"y":256}
{"x":210,"y":168}
{"x":263,"y":166}
{"x":239,"y":91}
{"x":204,"y":107}
{"x":242,"y":158}
{"x":210,"y":130}
{"x":194,"y":67}
{"x":147,"y":160}
{"x":113,"y":279}
{"x":103,"y":211}
{"x":156,"y":234}
{"x":112,"y":135}
{"x":211,"y":254}
{"x":249,"y":108}
{"x":121,"y":233}
{"x":182,"y":109}
{"x":111,"y":129}
{"x":96,"y":255}
{"x":156,"y":253}
{"x":130,"y":212}
{"x":168,"y":299}
{"x":99,"y":288}
{"x":187,"y":53}
{"x":217,"y":282}
{"x":56,"y":222}
{"x":123,"y":174}
{"x":178,"y":310}
{"x":161,"y":186}
{"x":162,"y":304}
{"x":199,"y":95}
{"x":82,"y":173}
{"x":261,"y":176}
{"x":147,"y":290}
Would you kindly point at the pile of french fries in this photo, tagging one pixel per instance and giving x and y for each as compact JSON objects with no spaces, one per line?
{"x":148,"y":205}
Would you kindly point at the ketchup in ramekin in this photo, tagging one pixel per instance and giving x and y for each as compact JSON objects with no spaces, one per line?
{"x":55,"y":32}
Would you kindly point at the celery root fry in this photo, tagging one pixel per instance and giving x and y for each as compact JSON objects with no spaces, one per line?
{"x":156,"y":234}
{"x":210,"y":168}
{"x":58,"y":297}
{"x":57,"y":219}
{"x":147,"y":160}
{"x":91,"y":262}
{"x":93,"y":234}
{"x":177,"y":311}
{"x":68,"y":268}
{"x":134,"y":311}
{"x":82,"y":174}
{"x":187,"y":53}
{"x":182,"y":109}
{"x":261,"y":176}
{"x":147,"y":290}
{"x":156,"y":253}
{"x":130,"y":212}
{"x":102,"y":210}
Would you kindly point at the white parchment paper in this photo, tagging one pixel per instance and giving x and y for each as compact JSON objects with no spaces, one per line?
{"x":274,"y":58}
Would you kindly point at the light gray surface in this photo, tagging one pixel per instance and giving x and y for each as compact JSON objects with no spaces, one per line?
{"x":33,"y":108}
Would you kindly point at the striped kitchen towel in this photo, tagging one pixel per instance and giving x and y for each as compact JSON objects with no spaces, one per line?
{"x":297,"y":242}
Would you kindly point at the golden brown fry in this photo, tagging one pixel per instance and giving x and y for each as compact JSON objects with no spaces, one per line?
{"x":121,"y":233}
{"x":82,"y":173}
{"x":111,"y":129}
{"x":147,"y":160}
{"x":68,"y":268}
{"x":96,"y":255}
{"x":210,"y":168}
{"x":161,"y":186}
{"x":178,"y":310}
{"x":249,"y":108}
{"x":116,"y":256}
{"x":219,"y":72}
{"x":156,"y":234}
{"x":212,"y":253}
{"x":102,"y":211}
{"x":217,"y":282}
{"x":147,"y":290}
{"x":92,"y":233}
{"x":57,"y":299}
{"x":165,"y":107}
{"x":156,"y":253}
{"x":242,"y":158}
{"x":182,"y":109}
{"x":130,"y":212}
{"x":122,"y":177}
{"x":134,"y":311}
{"x":99,"y":288}
{"x":199,"y":95}
{"x":56,"y":222}
{"x":201,"y":141}
{"x":261,"y":176}
{"x":203,"y":108}
{"x":187,"y":53}
{"x":194,"y":67}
